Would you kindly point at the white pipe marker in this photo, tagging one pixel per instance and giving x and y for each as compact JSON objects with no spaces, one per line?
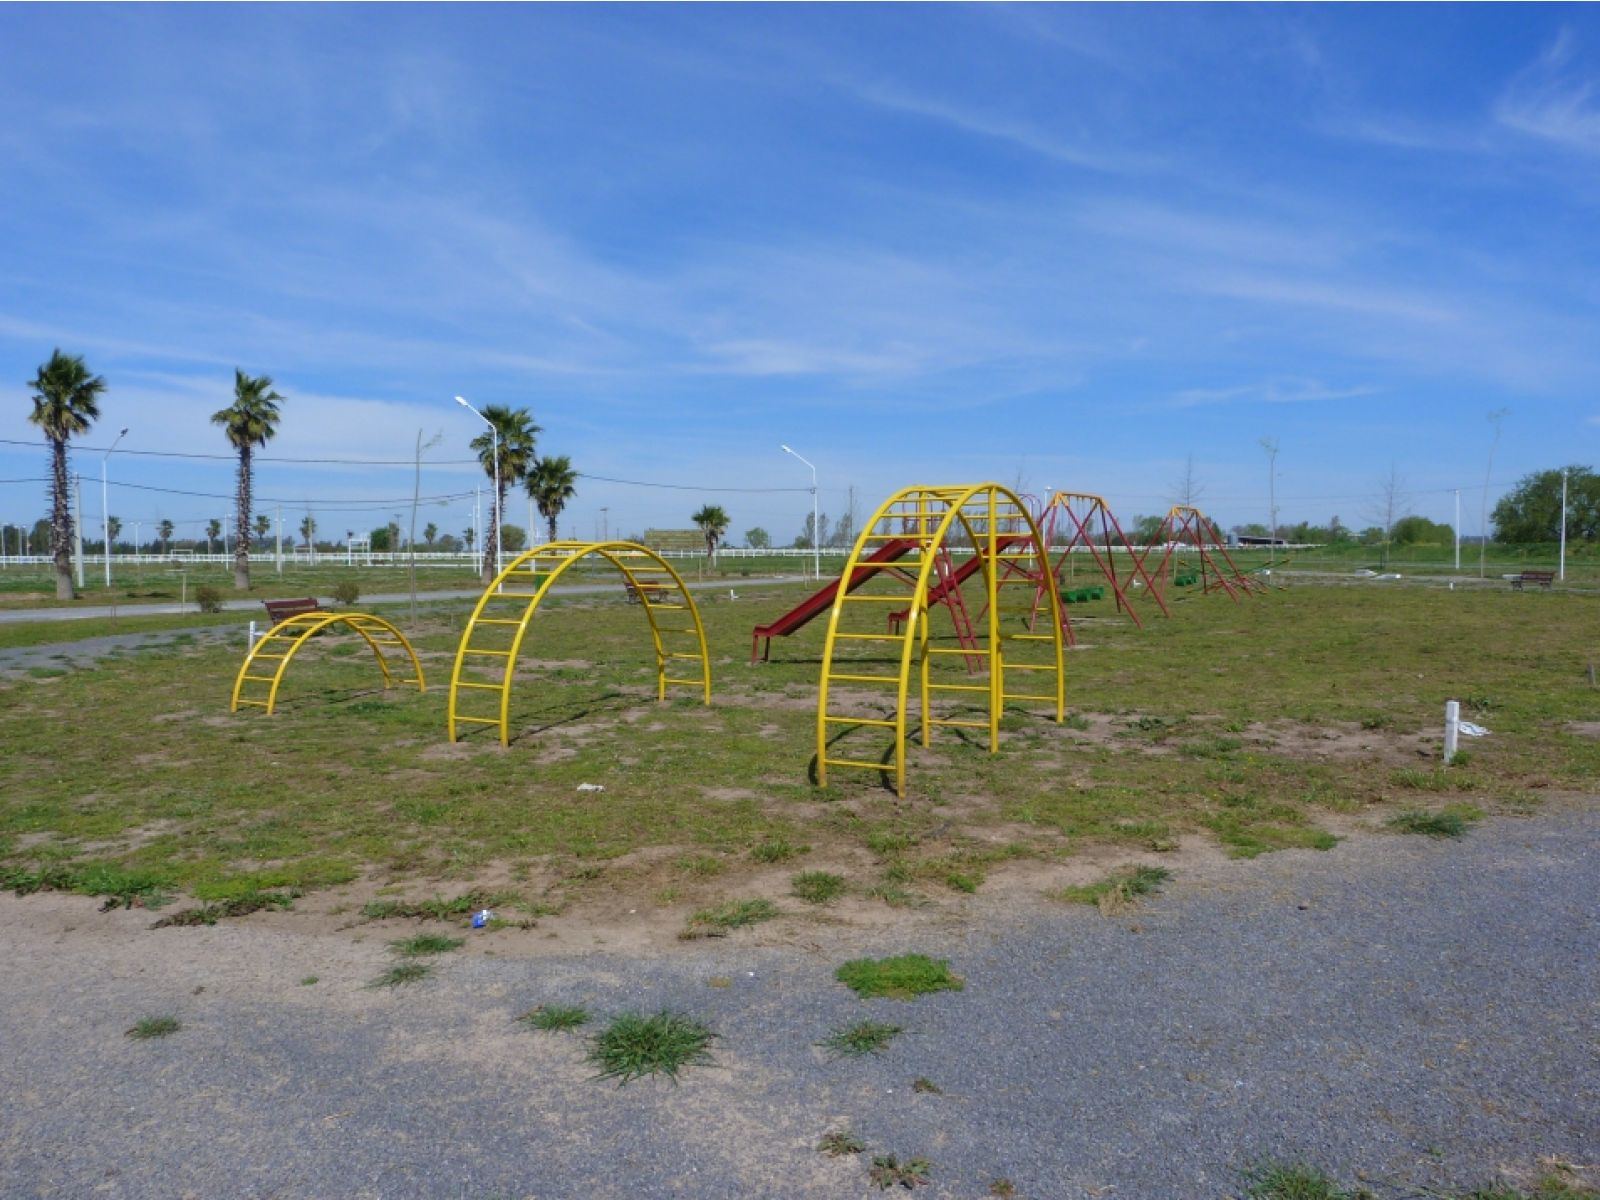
{"x":1452,"y":728}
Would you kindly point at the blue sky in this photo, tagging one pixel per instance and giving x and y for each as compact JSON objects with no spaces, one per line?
{"x":1072,"y":246}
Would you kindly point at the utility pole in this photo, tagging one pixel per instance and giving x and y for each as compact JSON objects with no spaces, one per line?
{"x":605,"y":523}
{"x":1458,"y":529}
{"x":280,"y":540}
{"x":77,"y":524}
{"x":1561,"y":572}
{"x":1270,"y":445}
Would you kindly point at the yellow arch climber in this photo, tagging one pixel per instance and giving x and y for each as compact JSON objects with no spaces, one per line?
{"x":935,"y":524}
{"x":282,"y":642}
{"x":486,"y":659}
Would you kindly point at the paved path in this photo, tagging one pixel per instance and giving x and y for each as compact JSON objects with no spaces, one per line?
{"x":1423,"y":1012}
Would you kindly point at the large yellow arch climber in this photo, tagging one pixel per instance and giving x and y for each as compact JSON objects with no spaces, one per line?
{"x":486,"y":659}
{"x":937,"y":524}
{"x":278,"y":646}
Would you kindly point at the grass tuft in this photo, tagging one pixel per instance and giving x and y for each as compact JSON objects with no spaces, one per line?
{"x":1440,"y":823}
{"x":735,"y":914}
{"x":403,"y":973}
{"x":240,"y":906}
{"x":900,"y":978}
{"x":147,"y":1028}
{"x":1294,"y":1181}
{"x":423,"y":945}
{"x":777,"y":850}
{"x":840,"y":1142}
{"x":864,"y":1037}
{"x":1118,"y":890}
{"x":634,"y":1046}
{"x":556,"y":1018}
{"x":888,"y":1171}
{"x":818,"y":887}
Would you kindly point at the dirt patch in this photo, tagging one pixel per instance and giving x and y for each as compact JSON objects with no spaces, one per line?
{"x":1342,"y":741}
{"x":1584,"y":728}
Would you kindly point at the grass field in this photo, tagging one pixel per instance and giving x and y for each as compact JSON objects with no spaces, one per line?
{"x":1253,"y":726}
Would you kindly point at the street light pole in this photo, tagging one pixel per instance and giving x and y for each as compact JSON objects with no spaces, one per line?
{"x":494,"y":441}
{"x":105,"y":512}
{"x":816,"y":520}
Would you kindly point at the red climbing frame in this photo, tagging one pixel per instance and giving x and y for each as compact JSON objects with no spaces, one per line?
{"x":1186,"y":527}
{"x":1079,"y":522}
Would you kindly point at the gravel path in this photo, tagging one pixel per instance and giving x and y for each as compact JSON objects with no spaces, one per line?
{"x":1424,"y":1012}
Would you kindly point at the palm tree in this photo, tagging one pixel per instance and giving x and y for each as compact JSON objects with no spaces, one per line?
{"x":713,"y":522}
{"x":165,"y":530}
{"x":66,"y":401}
{"x":516,"y":435}
{"x":250,"y":421}
{"x":113,"y":528}
{"x":430,"y":531}
{"x":308,"y":530}
{"x":213,"y":530}
{"x":551,"y":484}
{"x":263,"y":527}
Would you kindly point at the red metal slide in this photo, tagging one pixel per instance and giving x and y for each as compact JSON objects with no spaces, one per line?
{"x":819,"y":602}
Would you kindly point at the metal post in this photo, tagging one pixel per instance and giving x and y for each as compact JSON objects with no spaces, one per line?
{"x":1458,"y":529}
{"x":1452,"y":728}
{"x":280,"y":540}
{"x":77,"y":525}
{"x":1561,"y":572}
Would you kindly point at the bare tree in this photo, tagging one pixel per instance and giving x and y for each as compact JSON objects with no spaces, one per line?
{"x":1188,"y":490}
{"x":1390,"y":502}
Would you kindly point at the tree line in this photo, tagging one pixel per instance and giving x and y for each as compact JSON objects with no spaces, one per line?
{"x":66,"y":397}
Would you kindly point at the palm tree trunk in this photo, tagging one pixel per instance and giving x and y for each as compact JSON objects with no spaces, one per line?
{"x":241,"y":545}
{"x":60,"y":520}
{"x":552,"y":520}
{"x":491,"y":537}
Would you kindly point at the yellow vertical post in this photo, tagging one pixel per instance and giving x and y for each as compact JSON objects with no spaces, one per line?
{"x":997,"y":700}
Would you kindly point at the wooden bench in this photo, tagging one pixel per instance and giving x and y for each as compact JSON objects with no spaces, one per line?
{"x":642,"y":591}
{"x":1543,"y":578}
{"x":282,"y":610}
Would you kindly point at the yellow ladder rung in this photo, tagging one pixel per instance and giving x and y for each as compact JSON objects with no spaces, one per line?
{"x":1016,"y":666}
{"x":944,"y":650}
{"x":1028,"y":696}
{"x":1029,"y":637}
{"x":857,"y":597}
{"x":684,"y":682}
{"x":957,"y":687}
{"x":497,"y":653}
{"x":960,"y":724}
{"x":870,"y":637}
{"x":860,"y":721}
{"x":866,"y":678}
{"x":653,"y":604}
{"x":256,"y":703}
{"x":258,"y":678}
{"x":682,"y":654}
{"x":483,"y":687}
{"x":514,"y":595}
{"x":258,"y":656}
{"x":496,"y":621}
{"x":856,"y":762}
{"x":679,"y":629}
{"x":478,"y":720}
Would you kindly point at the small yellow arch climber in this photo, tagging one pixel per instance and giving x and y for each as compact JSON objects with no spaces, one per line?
{"x":994,"y":529}
{"x":282,"y":642}
{"x":486,"y":659}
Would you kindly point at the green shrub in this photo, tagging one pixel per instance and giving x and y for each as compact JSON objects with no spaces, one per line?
{"x":346,"y":592}
{"x":208,"y":598}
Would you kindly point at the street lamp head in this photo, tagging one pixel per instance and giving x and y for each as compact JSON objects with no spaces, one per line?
{"x":123,"y":434}
{"x":786,"y":449}
{"x":462,"y":400}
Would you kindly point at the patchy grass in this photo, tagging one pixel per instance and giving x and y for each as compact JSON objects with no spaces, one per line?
{"x":817,"y":887}
{"x":146,"y":1028}
{"x":888,"y":1171}
{"x":1452,"y":822}
{"x":1002,"y":1188}
{"x":860,"y":1038}
{"x":926,"y":1086}
{"x":424,"y":945}
{"x":840,"y":1142}
{"x":1294,"y":1181}
{"x":1118,"y":890}
{"x":210,"y":914}
{"x":735,"y":914}
{"x":402,"y":974}
{"x":555,"y":1018}
{"x":901,"y":978}
{"x":634,"y":1046}
{"x":174,"y":796}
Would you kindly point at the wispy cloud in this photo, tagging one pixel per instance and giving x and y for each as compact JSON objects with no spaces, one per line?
{"x":1269,"y":391}
{"x":1552,"y":99}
